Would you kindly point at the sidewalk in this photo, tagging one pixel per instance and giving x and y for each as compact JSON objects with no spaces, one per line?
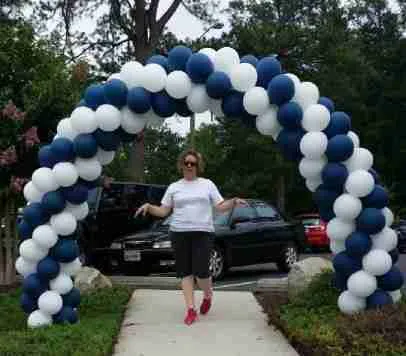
{"x":153,"y":326}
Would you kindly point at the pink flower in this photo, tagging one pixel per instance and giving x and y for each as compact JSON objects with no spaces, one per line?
{"x":31,"y":137}
{"x":9,"y":156}
{"x":17,"y":184}
{"x":10,"y":111}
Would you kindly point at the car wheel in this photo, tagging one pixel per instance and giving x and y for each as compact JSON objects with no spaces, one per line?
{"x":289,"y":256}
{"x":217,"y":264}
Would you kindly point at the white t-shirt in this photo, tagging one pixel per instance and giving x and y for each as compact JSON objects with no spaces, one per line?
{"x":192,"y":202}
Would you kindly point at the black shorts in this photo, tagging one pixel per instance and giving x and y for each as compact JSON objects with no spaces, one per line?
{"x":192,"y":252}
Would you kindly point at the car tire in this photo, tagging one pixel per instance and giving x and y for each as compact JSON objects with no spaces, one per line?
{"x":289,"y":255}
{"x":217,"y":263}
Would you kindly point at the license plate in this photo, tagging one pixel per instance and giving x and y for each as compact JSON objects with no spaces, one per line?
{"x":132,"y":255}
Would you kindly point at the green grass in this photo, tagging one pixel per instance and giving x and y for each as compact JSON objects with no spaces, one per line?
{"x":100,"y":317}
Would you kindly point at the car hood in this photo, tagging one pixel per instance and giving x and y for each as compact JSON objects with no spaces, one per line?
{"x":155,"y":235}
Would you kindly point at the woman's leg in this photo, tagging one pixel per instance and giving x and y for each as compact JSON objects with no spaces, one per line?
{"x":206,"y":286}
{"x":188,"y":292}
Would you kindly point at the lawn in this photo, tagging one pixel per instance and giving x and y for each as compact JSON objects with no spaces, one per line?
{"x":100,"y":317}
{"x":315,"y":326}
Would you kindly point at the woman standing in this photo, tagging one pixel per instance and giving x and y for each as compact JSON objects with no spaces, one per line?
{"x":191,"y":201}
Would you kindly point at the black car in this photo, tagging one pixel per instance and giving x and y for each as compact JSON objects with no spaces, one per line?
{"x":400,"y":228}
{"x":248,"y":235}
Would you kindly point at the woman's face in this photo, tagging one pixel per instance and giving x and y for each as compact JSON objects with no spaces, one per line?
{"x":190,"y":166}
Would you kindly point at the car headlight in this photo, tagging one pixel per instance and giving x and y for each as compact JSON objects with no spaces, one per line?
{"x":162,"y":244}
{"x":116,"y":246}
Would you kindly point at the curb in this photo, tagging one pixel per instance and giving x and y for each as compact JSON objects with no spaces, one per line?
{"x":151,"y":282}
{"x":274,"y":285}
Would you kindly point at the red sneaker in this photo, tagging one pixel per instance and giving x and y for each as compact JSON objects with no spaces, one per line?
{"x":205,"y":306}
{"x":191,"y":316}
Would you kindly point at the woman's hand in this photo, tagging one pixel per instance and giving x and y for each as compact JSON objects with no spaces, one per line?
{"x":240,"y":202}
{"x":143,"y":209}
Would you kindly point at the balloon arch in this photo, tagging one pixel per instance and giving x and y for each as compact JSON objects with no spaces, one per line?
{"x":306,"y":127}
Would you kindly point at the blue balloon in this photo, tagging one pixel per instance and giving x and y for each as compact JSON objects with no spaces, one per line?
{"x":218,"y":85}
{"x":182,"y":108}
{"x":392,"y":280}
{"x":66,"y":315}
{"x":48,"y":269}
{"x":65,"y":250}
{"x":281,"y":89}
{"x":371,"y":221}
{"x":34,"y":286}
{"x":325,"y":197}
{"x":62,"y":149}
{"x":28,"y":303}
{"x":249,"y":58}
{"x":75,"y":194}
{"x":107,"y":140}
{"x":346,"y":265}
{"x":53,"y":202}
{"x":46,"y":157}
{"x":162,"y":104}
{"x":327,"y":102}
{"x":35,"y":215}
{"x":85,"y":145}
{"x":339,"y":148}
{"x":267,"y":68}
{"x":94,"y":96}
{"x":378,"y":198}
{"x":24,"y":230}
{"x":358,"y":244}
{"x":232,"y":105}
{"x":334,"y":175}
{"x":394,"y":254}
{"x":115,"y":92}
{"x":125,"y":136}
{"x":290,"y":115}
{"x":178,"y":57}
{"x":340,"y":281}
{"x":139,"y":100}
{"x":289,"y":143}
{"x":160,"y":60}
{"x":72,"y":299}
{"x":90,"y":184}
{"x":340,"y":124}
{"x":199,"y":67}
{"x":378,"y":299}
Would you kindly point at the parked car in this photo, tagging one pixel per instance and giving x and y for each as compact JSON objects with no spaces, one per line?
{"x":400,"y":228}
{"x":315,"y":231}
{"x":248,"y":235}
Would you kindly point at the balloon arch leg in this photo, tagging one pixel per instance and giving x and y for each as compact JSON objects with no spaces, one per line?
{"x":306,"y":127}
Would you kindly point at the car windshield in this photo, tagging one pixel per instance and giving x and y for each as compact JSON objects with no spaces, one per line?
{"x":311,"y":222}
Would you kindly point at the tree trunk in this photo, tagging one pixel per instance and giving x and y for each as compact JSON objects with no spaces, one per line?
{"x":281,"y":193}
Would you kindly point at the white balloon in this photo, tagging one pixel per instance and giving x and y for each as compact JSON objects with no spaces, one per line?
{"x":25,"y":267}
{"x":225,"y":59}
{"x":209,"y":52}
{"x":243,"y":77}
{"x":396,"y":295}
{"x":105,"y":157}
{"x":360,"y":159}
{"x":132,"y":73}
{"x":338,"y":229}
{"x":65,"y":129}
{"x":256,"y":101}
{"x":31,"y":251}
{"x":337,"y":246}
{"x":377,"y":262}
{"x":316,"y":117}
{"x":178,"y":84}
{"x":313,"y":145}
{"x":354,"y":137}
{"x":79,"y":211}
{"x":386,"y":239}
{"x":88,"y":168}
{"x":45,"y":236}
{"x":215,"y":107}
{"x":347,"y":207}
{"x":31,"y":193}
{"x":361,"y":284}
{"x":154,"y":78}
{"x":131,"y":122}
{"x":65,"y":174}
{"x":312,"y":168}
{"x":44,"y":180}
{"x":108,"y":117}
{"x":267,"y":123}
{"x":63,"y":223}
{"x":39,"y":319}
{"x":71,"y":268}
{"x":388,"y":216}
{"x":307,"y":94}
{"x":198,"y":100}
{"x":83,"y":120}
{"x":153,"y":120}
{"x":61,"y":284}
{"x":313,"y":183}
{"x":359,"y":183}
{"x":50,"y":302}
{"x":350,"y":304}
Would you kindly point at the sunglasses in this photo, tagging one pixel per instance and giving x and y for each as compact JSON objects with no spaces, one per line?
{"x":190,"y":163}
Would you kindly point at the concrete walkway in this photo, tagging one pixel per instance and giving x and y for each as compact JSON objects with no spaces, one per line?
{"x":153,"y":326}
